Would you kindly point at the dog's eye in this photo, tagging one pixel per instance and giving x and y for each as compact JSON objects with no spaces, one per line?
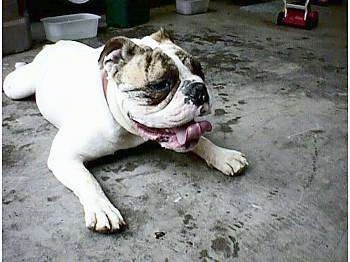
{"x":163,"y":85}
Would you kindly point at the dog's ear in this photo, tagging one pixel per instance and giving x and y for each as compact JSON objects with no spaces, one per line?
{"x":118,"y":50}
{"x":162,"y":35}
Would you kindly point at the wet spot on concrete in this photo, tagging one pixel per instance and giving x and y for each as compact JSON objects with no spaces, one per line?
{"x":213,"y":38}
{"x":235,"y":246}
{"x":114,"y":170}
{"x":130,"y":166}
{"x":35,"y":114}
{"x":219,"y":86}
{"x":187,"y":219}
{"x":24,"y":131}
{"x":14,"y":226}
{"x":203,"y":254}
{"x":242,"y":102}
{"x":11,"y":196}
{"x":4,"y":124}
{"x":189,"y":222}
{"x":52,"y":198}
{"x":321,"y":59}
{"x":105,"y":178}
{"x":219,"y":227}
{"x":233,"y":121}
{"x":308,"y":93}
{"x":159,"y":234}
{"x":225,"y":128}
{"x":7,"y":120}
{"x":25,"y":147}
{"x":45,"y":126}
{"x":7,"y":150}
{"x":273,"y":192}
{"x":223,"y":94}
{"x":180,"y":211}
{"x":10,"y":155}
{"x":190,"y":243}
{"x":225,"y":99}
{"x":161,"y":164}
{"x":219,"y":112}
{"x":135,"y":218}
{"x":220,"y":244}
{"x":238,"y":225}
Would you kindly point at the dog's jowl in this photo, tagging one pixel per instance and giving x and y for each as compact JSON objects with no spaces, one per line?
{"x":116,"y":97}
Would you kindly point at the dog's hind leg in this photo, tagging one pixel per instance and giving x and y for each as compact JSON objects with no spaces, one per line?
{"x":230,"y":162}
{"x":21,"y":82}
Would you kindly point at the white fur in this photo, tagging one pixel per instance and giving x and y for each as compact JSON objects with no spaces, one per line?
{"x":68,"y":86}
{"x":69,"y":94}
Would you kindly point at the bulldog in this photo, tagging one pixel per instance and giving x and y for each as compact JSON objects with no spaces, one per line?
{"x":116,"y":97}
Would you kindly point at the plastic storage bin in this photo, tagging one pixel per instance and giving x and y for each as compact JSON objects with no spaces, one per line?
{"x":190,"y":7}
{"x":127,"y":13}
{"x":70,"y":27}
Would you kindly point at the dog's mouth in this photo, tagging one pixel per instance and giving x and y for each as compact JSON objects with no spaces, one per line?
{"x":182,"y":138}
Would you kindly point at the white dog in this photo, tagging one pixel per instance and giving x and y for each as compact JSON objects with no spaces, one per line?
{"x":117,"y":97}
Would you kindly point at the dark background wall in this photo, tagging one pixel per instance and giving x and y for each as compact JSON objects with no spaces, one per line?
{"x":38,"y":9}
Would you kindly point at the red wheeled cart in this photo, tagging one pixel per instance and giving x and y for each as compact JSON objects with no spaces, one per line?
{"x":298,"y":15}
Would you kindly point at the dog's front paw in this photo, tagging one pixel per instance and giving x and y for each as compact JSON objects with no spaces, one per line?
{"x":101,"y":216}
{"x":230,"y":162}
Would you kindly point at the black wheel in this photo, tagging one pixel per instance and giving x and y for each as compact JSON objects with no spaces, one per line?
{"x":309,"y":23}
{"x":280,"y":18}
{"x":316,"y":22}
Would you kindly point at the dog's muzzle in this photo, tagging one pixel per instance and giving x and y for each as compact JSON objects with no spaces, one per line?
{"x":197,"y":93}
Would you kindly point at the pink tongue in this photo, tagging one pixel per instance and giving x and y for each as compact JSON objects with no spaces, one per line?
{"x":192,"y":132}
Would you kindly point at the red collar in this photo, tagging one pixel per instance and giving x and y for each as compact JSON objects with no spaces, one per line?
{"x":104,"y":83}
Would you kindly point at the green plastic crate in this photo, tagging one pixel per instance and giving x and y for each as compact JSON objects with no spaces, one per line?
{"x":127,"y":13}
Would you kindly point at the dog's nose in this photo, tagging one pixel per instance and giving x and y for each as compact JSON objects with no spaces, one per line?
{"x":204,"y":109}
{"x":197,"y":93}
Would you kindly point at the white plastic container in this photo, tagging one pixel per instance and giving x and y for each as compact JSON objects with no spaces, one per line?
{"x":70,"y":27}
{"x":190,"y":7}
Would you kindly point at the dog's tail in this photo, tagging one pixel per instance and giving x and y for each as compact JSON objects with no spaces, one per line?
{"x":21,"y":82}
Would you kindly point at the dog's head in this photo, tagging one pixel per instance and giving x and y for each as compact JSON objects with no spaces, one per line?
{"x":156,"y":89}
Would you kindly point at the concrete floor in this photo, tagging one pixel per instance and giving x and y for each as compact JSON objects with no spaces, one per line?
{"x":280,"y":96}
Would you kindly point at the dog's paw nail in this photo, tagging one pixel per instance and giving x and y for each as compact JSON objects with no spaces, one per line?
{"x":103,"y":218}
{"x":232,"y":163}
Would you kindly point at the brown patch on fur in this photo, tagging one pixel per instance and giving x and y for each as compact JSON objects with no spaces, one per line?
{"x":162,"y":36}
{"x":128,"y":48}
{"x":182,"y":55}
{"x":161,"y":66}
{"x":133,"y":73}
{"x":146,"y":68}
{"x":147,"y":73}
{"x":190,"y":62}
